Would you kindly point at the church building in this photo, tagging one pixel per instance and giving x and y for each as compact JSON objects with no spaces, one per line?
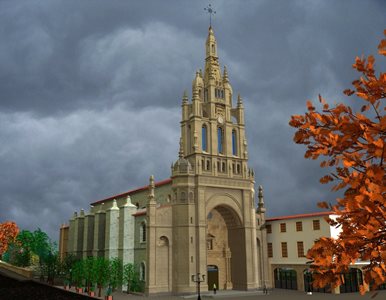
{"x":204,"y":219}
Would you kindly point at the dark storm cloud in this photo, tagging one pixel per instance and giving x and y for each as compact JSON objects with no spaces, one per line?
{"x":90,"y":93}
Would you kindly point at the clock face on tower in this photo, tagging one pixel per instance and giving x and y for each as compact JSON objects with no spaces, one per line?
{"x":220,"y":120}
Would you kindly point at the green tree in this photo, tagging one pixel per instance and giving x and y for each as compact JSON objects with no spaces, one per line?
{"x":51,"y":266}
{"x":66,"y":268}
{"x":115,"y":274}
{"x":130,"y":277}
{"x":90,"y":272}
{"x":20,"y":250}
{"x":78,"y":274}
{"x":102,"y":271}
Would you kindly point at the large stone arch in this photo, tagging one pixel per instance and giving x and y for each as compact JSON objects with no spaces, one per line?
{"x":228,"y":201}
{"x":233,"y":268}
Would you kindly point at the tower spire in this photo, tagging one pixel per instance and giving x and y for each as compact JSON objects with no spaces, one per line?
{"x":211,"y":44}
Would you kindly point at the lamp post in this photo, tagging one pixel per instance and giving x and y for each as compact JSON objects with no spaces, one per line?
{"x":198,"y":278}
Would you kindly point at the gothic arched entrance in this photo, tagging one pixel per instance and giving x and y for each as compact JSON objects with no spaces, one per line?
{"x":225,"y":247}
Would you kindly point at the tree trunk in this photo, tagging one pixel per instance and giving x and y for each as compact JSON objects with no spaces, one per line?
{"x":100,"y":290}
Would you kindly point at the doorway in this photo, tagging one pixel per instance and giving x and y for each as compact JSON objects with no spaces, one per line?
{"x":212,"y":277}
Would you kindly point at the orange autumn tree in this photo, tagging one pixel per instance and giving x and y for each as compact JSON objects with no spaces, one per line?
{"x":8,"y":233}
{"x":351,"y":145}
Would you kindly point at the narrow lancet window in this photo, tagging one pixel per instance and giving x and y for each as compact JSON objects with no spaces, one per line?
{"x":220,"y":137}
{"x":234,"y":142}
{"x":204,"y":138}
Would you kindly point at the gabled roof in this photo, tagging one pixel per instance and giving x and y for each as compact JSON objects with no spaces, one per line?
{"x":315,"y":214}
{"x":134,"y":191}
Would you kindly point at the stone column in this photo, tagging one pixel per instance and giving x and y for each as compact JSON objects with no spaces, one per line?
{"x":151,"y":241}
{"x":75,"y":234}
{"x":112,"y":231}
{"x":88,"y":235}
{"x":99,"y":232}
{"x":126,"y":231}
{"x":71,"y":234}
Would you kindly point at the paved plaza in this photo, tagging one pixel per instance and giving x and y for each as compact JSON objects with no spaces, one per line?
{"x":276,"y":294}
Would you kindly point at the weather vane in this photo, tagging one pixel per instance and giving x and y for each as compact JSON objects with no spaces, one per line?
{"x":211,"y":12}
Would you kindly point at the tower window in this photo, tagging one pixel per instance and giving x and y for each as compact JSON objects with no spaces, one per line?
{"x":208,"y":165}
{"x":142,"y":233}
{"x":222,"y":94}
{"x":223,"y":167}
{"x":234,"y":142}
{"x":213,"y":49}
{"x":205,"y":95}
{"x":204,"y":138}
{"x":188,"y":148}
{"x":220,"y":137}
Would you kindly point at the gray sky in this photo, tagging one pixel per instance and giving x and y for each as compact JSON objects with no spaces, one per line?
{"x":90,"y":93}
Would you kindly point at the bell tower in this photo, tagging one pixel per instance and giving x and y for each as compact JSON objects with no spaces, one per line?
{"x":213,"y":206}
{"x":212,"y":130}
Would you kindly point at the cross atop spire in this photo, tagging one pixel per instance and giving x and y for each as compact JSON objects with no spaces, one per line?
{"x":211,"y":12}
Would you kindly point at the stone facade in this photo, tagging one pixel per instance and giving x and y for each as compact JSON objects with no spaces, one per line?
{"x":201,"y":220}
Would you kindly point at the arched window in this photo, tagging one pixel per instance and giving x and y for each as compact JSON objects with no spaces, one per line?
{"x":204,"y":138}
{"x":234,"y":142}
{"x":142,"y":271}
{"x":188,"y":149}
{"x":220,"y":138}
{"x":142,"y":232}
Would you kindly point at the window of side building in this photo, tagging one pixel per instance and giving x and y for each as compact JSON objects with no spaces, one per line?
{"x":299,"y":226}
{"x":284,"y":250}
{"x":300,"y":249}
{"x":269,"y":228}
{"x":270,"y":250}
{"x":142,"y":232}
{"x":283,"y":227}
{"x":316,"y":224}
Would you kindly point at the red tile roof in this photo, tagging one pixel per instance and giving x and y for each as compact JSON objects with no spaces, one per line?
{"x":134,"y":191}
{"x":315,"y":214}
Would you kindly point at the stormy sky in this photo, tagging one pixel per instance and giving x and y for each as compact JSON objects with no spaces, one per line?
{"x":90,"y":93}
